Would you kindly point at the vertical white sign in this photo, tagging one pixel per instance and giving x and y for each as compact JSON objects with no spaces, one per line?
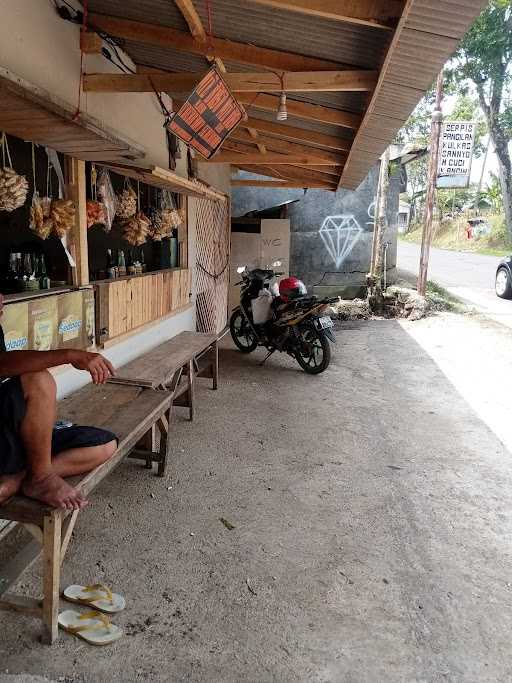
{"x":455,"y":153}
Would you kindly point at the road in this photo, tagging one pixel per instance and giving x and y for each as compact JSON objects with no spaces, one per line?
{"x":466,"y":275}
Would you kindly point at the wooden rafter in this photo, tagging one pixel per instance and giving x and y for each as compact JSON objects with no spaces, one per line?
{"x":265,"y":159}
{"x":383,"y":14}
{"x":186,"y":7}
{"x":303,"y":110}
{"x":242,"y":53}
{"x":277,"y":184}
{"x":282,"y":130}
{"x":283,"y":146}
{"x":310,"y":81}
{"x":289,"y":173}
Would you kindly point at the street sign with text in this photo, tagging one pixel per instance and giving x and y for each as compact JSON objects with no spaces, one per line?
{"x":455,"y":154}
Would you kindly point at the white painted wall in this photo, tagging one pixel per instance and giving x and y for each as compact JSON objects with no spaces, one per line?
{"x":41,"y":48}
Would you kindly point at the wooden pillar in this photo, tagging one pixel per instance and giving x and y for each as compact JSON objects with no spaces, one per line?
{"x":428,"y":230}
{"x":77,"y":244}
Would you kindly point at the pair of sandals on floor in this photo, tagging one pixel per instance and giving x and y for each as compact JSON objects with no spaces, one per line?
{"x":93,"y":626}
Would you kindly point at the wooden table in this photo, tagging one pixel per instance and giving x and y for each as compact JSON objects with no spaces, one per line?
{"x":130,"y":412}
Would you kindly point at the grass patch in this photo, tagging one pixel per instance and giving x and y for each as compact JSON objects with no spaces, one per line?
{"x":452,"y":235}
{"x":440,"y":299}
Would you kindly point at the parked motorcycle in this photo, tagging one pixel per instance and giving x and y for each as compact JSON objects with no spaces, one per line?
{"x":281,"y":317}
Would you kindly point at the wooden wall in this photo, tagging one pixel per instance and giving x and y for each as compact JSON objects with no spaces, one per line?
{"x":127,"y":304}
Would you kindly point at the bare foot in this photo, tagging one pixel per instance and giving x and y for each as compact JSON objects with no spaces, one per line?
{"x":54,"y":491}
{"x":10,"y":485}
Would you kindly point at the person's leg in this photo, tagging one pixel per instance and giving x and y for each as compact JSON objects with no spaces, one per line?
{"x":10,"y":485}
{"x":80,"y":460}
{"x":42,"y":482}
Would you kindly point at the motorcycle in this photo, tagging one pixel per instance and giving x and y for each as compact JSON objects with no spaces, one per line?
{"x":293,"y":323}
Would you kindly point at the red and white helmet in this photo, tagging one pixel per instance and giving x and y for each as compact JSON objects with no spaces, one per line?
{"x":292,"y":288}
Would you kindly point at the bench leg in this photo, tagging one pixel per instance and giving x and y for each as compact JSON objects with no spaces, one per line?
{"x":215,"y":351}
{"x":165,"y":443}
{"x":191,"y":388}
{"x":51,"y":574}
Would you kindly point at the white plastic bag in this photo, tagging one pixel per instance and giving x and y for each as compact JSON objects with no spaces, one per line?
{"x":261,"y":307}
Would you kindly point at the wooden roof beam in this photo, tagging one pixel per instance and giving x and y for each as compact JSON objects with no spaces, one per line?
{"x":382,"y":14}
{"x":282,"y":130}
{"x":229,"y":157}
{"x":311,"y":81}
{"x":303,"y":110}
{"x":243,"y":53}
{"x":284,"y":146}
{"x":289,"y":173}
{"x":279,"y":184}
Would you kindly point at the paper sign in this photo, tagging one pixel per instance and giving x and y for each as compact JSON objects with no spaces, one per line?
{"x":455,"y":154}
{"x":15,"y":326}
{"x":208,"y":116}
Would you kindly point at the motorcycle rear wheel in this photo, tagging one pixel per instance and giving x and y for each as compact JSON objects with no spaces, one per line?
{"x":314,"y":352}
{"x":241,"y":333}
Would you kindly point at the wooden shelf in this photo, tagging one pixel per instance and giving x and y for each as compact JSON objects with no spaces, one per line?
{"x":36,"y":294}
{"x":168,"y":180}
{"x":131,"y":277}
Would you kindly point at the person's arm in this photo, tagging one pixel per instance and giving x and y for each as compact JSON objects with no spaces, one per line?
{"x":14,"y":363}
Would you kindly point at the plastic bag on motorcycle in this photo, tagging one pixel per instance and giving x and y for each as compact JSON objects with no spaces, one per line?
{"x":261,"y":307}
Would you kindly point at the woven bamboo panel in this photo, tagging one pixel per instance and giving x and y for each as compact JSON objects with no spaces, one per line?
{"x":212,"y":260}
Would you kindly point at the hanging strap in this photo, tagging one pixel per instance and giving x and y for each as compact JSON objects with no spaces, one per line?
{"x":94,"y":178}
{"x":5,"y":150}
{"x":34,"y":167}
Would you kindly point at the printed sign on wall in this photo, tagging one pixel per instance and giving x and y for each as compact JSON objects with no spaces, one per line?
{"x":42,"y":324}
{"x":455,"y":154}
{"x":64,"y":321}
{"x":15,"y":326}
{"x":208,"y":116}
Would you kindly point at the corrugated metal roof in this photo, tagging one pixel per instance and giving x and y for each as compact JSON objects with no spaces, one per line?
{"x":408,"y":58}
{"x":425,"y":39}
{"x":248,"y":22}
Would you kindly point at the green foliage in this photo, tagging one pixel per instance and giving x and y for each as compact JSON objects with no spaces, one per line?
{"x":467,"y":109}
{"x":493,"y":192}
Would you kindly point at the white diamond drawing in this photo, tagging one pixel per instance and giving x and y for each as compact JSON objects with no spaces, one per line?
{"x":339,"y":235}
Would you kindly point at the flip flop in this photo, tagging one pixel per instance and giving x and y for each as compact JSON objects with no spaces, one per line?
{"x":97,"y":596}
{"x":93,"y":627}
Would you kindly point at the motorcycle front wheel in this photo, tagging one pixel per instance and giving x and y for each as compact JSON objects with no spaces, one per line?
{"x":241,"y":332}
{"x":314,"y":352}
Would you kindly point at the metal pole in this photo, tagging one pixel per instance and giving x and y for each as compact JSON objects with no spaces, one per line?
{"x":426,"y":237}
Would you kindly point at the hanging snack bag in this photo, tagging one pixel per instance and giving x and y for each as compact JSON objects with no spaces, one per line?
{"x":126,"y":202}
{"x":108,"y":198}
{"x":63,"y":216}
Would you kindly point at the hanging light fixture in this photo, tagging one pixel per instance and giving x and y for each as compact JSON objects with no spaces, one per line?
{"x":282,"y":112}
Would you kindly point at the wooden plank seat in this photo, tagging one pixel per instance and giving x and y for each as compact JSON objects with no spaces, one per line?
{"x":187,"y":355}
{"x":130,"y":412}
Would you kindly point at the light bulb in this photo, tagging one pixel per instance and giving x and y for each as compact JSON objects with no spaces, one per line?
{"x":282,"y":112}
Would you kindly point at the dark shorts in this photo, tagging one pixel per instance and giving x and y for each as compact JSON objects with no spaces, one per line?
{"x":12,"y":411}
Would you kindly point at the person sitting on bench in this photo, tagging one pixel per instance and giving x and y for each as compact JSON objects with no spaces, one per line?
{"x":28,"y":439}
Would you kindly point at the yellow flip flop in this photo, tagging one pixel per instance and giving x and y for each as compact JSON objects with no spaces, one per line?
{"x":98,"y":596}
{"x":93,"y":627}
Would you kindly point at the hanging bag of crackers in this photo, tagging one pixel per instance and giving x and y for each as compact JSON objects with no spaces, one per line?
{"x":13,"y":186}
{"x":136,"y":229}
{"x":126,"y":202}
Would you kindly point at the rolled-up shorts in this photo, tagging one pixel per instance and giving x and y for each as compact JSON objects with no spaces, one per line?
{"x":13,"y":458}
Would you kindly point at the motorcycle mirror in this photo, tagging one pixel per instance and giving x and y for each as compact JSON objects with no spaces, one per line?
{"x":240,"y":269}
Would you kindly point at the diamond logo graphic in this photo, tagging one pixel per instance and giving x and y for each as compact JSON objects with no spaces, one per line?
{"x":339,"y":235}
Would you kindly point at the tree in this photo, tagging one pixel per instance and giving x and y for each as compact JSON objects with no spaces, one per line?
{"x":484,"y":60}
{"x":493,"y":192}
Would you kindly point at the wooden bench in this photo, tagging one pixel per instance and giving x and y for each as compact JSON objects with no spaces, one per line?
{"x":131,"y":412}
{"x":189,"y":354}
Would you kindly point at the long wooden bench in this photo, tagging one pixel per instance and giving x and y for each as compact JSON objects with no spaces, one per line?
{"x":187,"y":355}
{"x":132,"y":413}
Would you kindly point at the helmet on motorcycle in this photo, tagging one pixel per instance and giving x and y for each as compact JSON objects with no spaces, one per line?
{"x":291,"y":288}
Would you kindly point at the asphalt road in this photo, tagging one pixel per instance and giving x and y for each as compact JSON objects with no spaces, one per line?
{"x":468,"y":276}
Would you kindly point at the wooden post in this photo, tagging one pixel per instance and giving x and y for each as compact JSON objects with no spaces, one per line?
{"x":381,"y":220}
{"x":76,"y":190}
{"x":427,"y":234}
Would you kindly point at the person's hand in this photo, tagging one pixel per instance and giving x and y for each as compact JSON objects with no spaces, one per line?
{"x":99,"y":367}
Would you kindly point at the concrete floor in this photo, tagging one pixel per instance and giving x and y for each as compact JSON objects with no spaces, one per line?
{"x":372,"y":514}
